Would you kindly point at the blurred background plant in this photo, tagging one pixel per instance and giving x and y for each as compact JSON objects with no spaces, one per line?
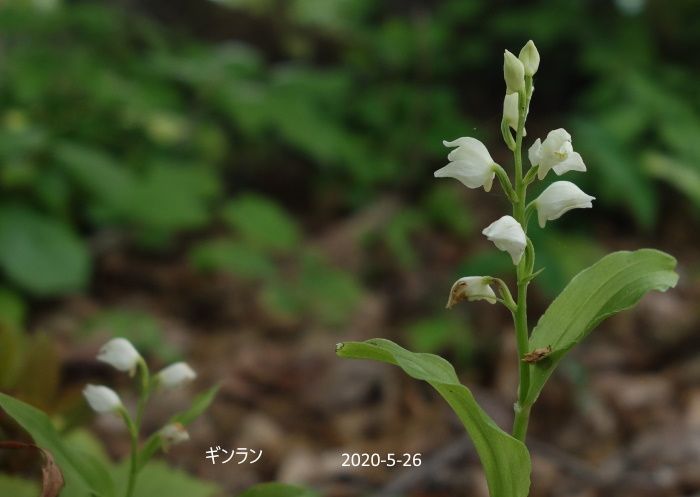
{"x":173,"y":170}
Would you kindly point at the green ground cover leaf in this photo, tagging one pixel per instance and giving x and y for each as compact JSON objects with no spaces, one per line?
{"x":615,"y":283}
{"x":40,"y":253}
{"x":506,"y":460}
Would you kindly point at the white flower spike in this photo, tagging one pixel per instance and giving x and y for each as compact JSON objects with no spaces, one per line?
{"x":470,"y":163}
{"x":102,"y":399}
{"x":555,"y":152}
{"x":173,"y":434}
{"x":510,"y":111}
{"x":507,"y":235}
{"x":119,"y":353}
{"x":559,"y":198}
{"x":471,"y":288}
{"x":513,"y":73}
{"x":175,"y":375}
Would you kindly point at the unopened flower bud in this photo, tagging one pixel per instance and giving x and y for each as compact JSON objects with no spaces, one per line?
{"x":175,"y":375}
{"x":507,"y":234}
{"x":511,"y":111}
{"x":173,"y":434}
{"x":530,"y":58}
{"x":559,"y":198}
{"x":102,"y":399}
{"x":471,"y":288}
{"x":120,"y":354}
{"x":470,"y":163}
{"x":555,"y":152}
{"x":513,"y":73}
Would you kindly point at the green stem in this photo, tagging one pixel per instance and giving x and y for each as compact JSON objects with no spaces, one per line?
{"x":134,"y":454}
{"x":522,"y":411}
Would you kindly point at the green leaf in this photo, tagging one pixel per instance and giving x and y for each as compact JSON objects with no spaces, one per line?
{"x":157,"y":478}
{"x":277,"y":490}
{"x":40,"y":254}
{"x":18,"y":487}
{"x":83,"y":474}
{"x":234,"y":257}
{"x":506,"y":460}
{"x":262,"y":223}
{"x":615,"y":283}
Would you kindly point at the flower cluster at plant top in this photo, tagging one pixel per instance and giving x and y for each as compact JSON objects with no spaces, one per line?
{"x":122,"y":355}
{"x":471,"y":164}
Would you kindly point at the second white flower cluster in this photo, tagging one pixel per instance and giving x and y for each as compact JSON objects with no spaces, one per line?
{"x":123,"y":356}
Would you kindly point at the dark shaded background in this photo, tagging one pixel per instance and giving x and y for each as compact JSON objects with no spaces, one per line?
{"x":243,"y":183}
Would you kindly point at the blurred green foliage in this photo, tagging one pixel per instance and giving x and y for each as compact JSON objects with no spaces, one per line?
{"x":114,"y":121}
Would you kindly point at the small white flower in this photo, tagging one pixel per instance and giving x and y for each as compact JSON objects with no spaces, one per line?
{"x":119,"y":353}
{"x":510,"y":111}
{"x":558,"y":198}
{"x":471,"y":288}
{"x":530,"y":58}
{"x":507,"y":235}
{"x":555,"y":152}
{"x":513,"y":73}
{"x":173,"y":434}
{"x":470,"y":163}
{"x":102,"y":399}
{"x":176,"y":375}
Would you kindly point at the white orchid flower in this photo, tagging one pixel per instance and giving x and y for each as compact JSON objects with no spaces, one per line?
{"x":555,"y":152}
{"x":513,"y":73}
{"x":173,"y":434}
{"x":120,"y":354}
{"x":507,"y":234}
{"x":470,"y":163}
{"x":102,"y":399}
{"x":471,"y":288}
{"x":559,"y":198}
{"x":175,"y":375}
{"x":510,"y":111}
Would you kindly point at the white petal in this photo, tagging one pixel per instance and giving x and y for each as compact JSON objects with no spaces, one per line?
{"x":559,"y":198}
{"x":507,"y":234}
{"x":470,"y":173}
{"x":468,"y":148}
{"x":555,"y":148}
{"x":102,"y":399}
{"x":176,"y":375}
{"x":534,"y":152}
{"x":574,"y":162}
{"x":120,"y":354}
{"x":471,"y":288}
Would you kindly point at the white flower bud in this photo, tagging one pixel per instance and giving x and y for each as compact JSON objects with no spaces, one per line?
{"x":471,"y":288}
{"x":175,"y":375}
{"x":470,"y":163}
{"x":558,"y":198}
{"x":102,"y":399}
{"x":119,"y":353}
{"x":555,"y":152}
{"x":530,"y":58}
{"x":513,"y":73}
{"x":510,"y":111}
{"x":173,"y":434}
{"x":507,"y":235}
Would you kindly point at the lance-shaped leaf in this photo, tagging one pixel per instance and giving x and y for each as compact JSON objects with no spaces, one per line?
{"x":84,"y":475}
{"x":615,"y":283}
{"x":506,"y":460}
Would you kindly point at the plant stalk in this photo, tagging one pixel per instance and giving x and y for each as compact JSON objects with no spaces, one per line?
{"x":522,"y":411}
